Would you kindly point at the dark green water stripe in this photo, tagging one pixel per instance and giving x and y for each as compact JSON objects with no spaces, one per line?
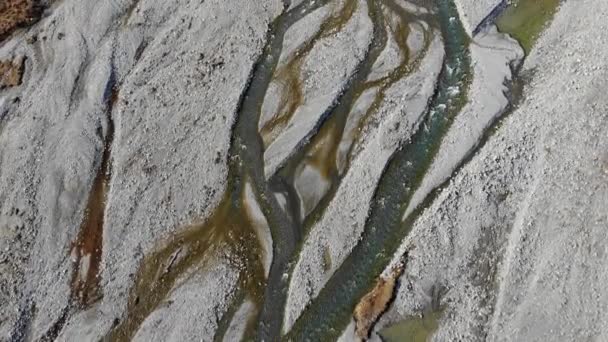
{"x":328,"y":314}
{"x":248,"y":149}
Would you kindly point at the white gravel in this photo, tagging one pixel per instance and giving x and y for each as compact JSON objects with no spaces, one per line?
{"x":342,"y":222}
{"x":187,"y":315}
{"x":260,"y":225}
{"x":325,"y":72}
{"x":173,"y":119}
{"x":493,"y":55}
{"x":516,"y":240}
{"x":472,"y":12}
{"x":514,"y":246}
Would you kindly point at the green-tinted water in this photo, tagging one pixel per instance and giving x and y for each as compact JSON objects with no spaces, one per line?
{"x":229,"y":226}
{"x":330,"y":312}
{"x":524,"y":20}
{"x":415,"y":329}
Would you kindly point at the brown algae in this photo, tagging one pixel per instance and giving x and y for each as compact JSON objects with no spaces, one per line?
{"x":17,"y":13}
{"x":289,"y":75}
{"x":188,"y":251}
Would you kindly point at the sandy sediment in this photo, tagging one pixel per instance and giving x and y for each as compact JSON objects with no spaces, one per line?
{"x":260,"y":225}
{"x":238,"y":325}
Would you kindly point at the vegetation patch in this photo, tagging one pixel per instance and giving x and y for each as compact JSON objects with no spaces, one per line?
{"x":415,"y":329}
{"x":524,"y":20}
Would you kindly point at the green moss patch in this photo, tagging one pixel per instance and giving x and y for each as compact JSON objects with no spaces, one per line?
{"x":415,"y":329}
{"x":524,"y":20}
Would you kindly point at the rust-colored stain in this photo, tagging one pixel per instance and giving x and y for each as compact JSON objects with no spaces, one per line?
{"x":11,"y":72}
{"x":17,"y":13}
{"x":375,"y":303}
{"x":86,"y":250}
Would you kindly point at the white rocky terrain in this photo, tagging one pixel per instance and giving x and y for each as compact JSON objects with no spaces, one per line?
{"x":221,"y":170}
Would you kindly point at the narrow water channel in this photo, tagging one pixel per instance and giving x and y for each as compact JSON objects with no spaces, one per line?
{"x":86,"y":249}
{"x":230,"y":226}
{"x":321,"y":152}
{"x":329,"y":152}
{"x":326,"y":151}
{"x":329,"y":313}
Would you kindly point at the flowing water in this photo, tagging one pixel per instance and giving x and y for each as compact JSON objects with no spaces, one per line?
{"x":230,"y":226}
{"x":330,"y":312}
